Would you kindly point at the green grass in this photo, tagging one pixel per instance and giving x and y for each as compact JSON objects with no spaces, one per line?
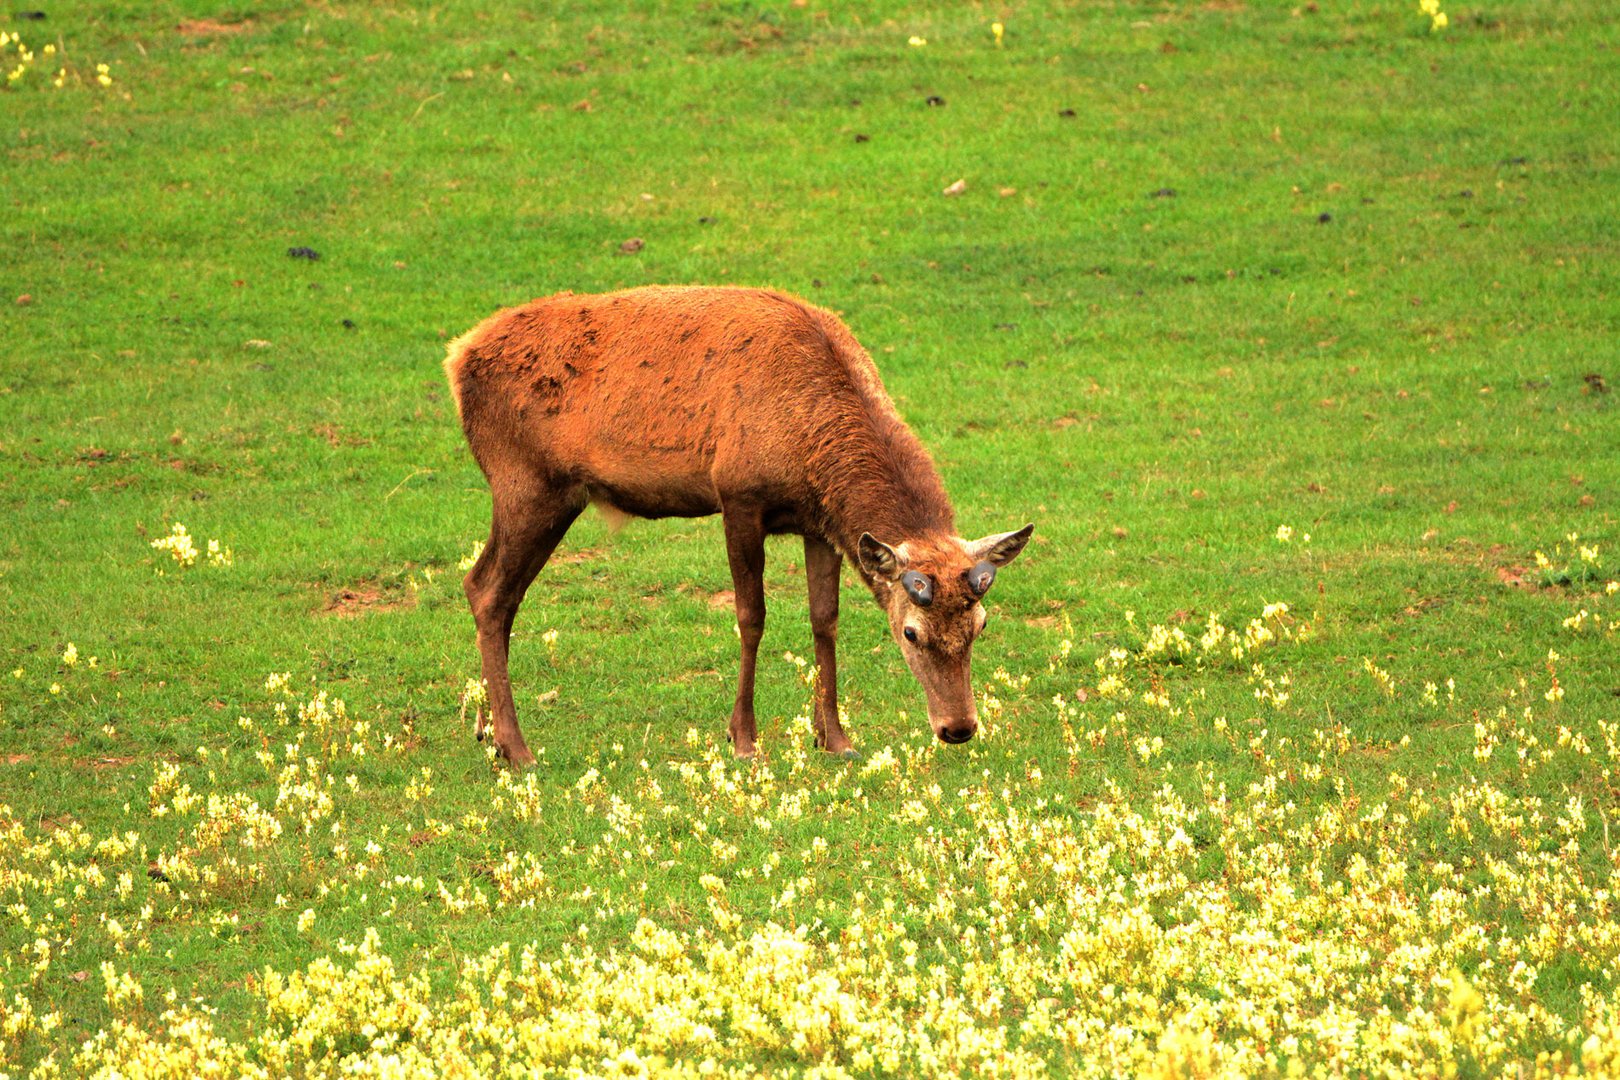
{"x":1380,"y":306}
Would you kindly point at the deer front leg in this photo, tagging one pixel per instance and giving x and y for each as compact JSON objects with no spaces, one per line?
{"x":822,"y":563}
{"x":745,"y":551}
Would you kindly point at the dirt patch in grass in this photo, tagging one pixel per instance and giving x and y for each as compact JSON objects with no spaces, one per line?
{"x":1423,"y":606}
{"x":336,"y":437}
{"x":1530,"y":579}
{"x":1503,"y":564}
{"x":212,"y":27}
{"x":1519,"y":577}
{"x":719,"y":599}
{"x":365,"y":598}
{"x":568,"y":558}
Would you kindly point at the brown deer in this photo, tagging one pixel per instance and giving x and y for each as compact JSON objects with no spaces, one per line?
{"x":680,"y":402}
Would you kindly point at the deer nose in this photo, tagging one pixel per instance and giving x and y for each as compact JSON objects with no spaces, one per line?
{"x":961,"y":733}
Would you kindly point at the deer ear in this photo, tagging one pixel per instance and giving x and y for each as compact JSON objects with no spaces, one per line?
{"x":878,"y":559}
{"x":999,"y":549}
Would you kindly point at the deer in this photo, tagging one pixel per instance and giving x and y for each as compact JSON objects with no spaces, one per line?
{"x":686,"y":401}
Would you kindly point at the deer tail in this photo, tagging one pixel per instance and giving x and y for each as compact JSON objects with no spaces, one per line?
{"x":455,"y":357}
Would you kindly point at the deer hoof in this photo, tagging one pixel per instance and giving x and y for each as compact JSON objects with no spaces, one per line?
{"x":850,"y":754}
{"x":517,"y":759}
{"x":742,"y":743}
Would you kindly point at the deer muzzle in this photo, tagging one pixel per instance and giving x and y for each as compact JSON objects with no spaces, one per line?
{"x":951,"y":711}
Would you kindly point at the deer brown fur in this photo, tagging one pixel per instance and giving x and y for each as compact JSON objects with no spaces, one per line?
{"x":686,"y":401}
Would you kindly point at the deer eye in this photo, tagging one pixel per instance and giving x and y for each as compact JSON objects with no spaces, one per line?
{"x":911,"y":634}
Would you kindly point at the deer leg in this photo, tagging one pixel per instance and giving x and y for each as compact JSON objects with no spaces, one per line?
{"x":523,"y":533}
{"x":745,"y":551}
{"x":821,"y":565}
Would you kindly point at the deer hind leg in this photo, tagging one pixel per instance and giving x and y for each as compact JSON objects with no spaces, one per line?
{"x":822,"y":563}
{"x":527,"y":524}
{"x":745,"y":551}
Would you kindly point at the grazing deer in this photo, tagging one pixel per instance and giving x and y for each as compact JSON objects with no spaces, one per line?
{"x":680,"y":402}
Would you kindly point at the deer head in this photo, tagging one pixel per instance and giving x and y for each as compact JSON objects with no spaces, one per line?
{"x":933,"y":592}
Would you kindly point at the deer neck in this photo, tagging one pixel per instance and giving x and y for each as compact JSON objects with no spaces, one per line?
{"x":886,"y":486}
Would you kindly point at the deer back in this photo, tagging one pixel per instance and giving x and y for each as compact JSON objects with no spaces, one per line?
{"x":664,"y":400}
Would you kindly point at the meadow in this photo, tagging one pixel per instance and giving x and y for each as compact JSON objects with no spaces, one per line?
{"x":1291,"y":326}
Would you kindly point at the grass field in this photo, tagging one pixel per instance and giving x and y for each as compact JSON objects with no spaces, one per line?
{"x":1292,"y":328}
